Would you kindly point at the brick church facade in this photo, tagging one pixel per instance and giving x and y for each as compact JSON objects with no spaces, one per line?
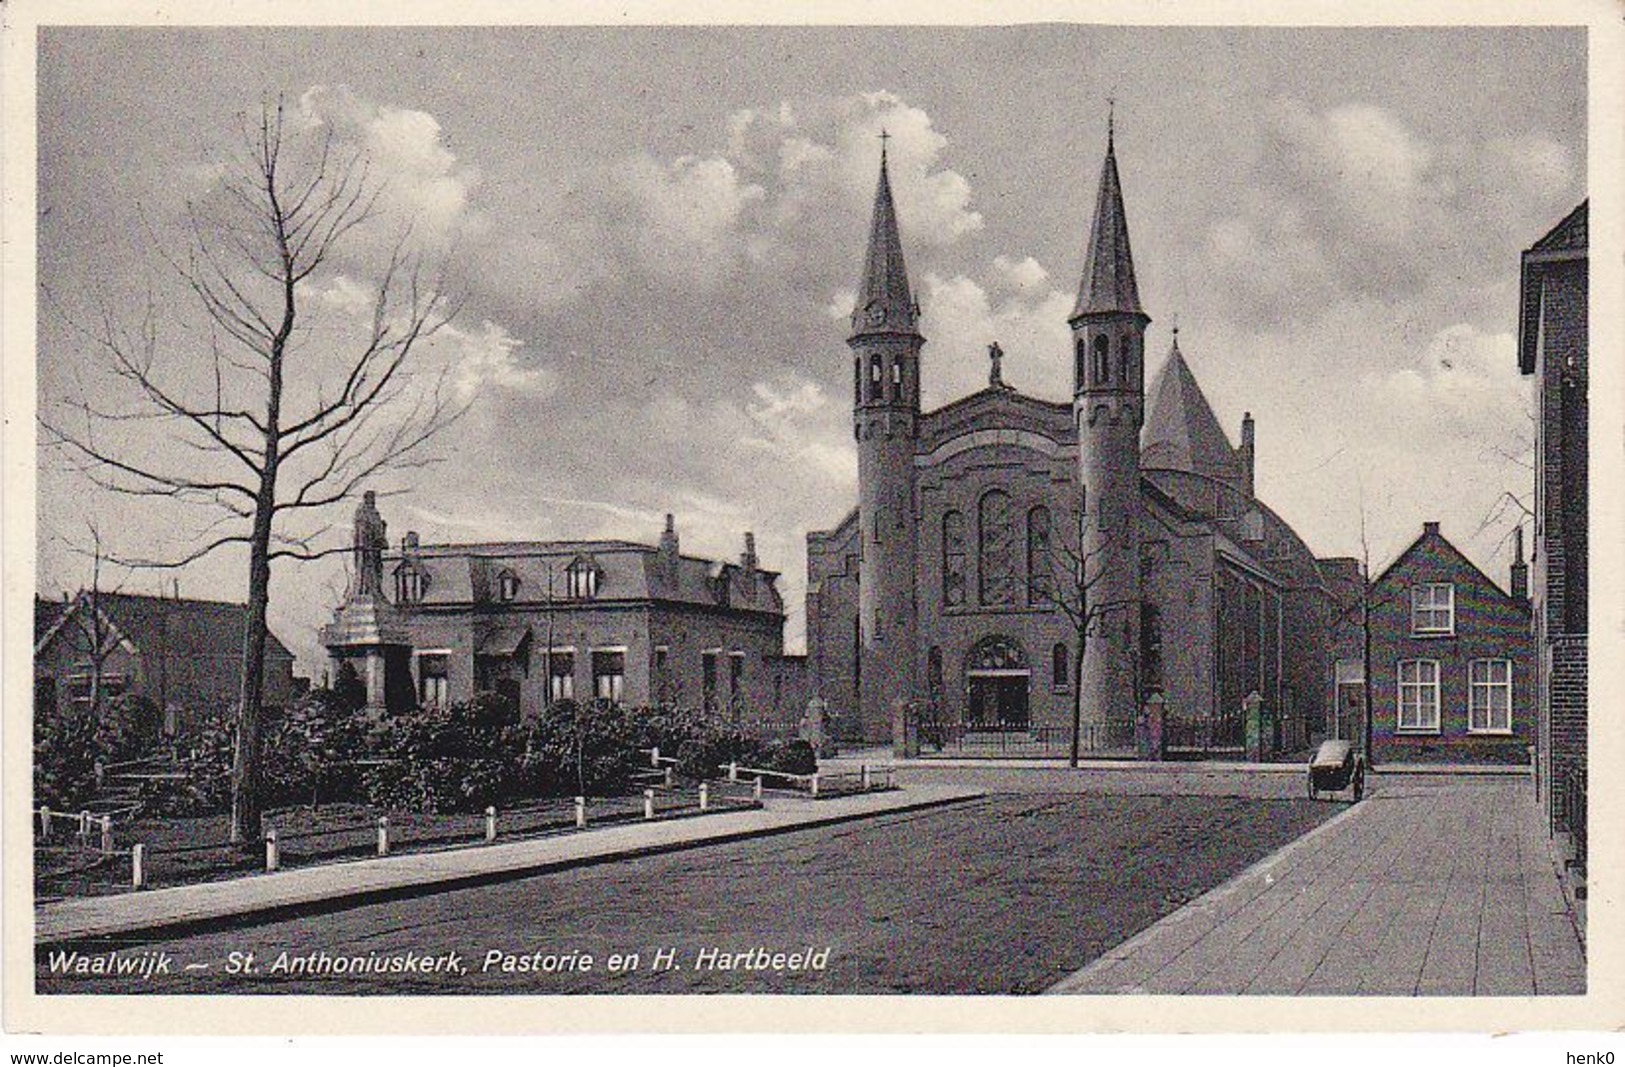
{"x":952,"y":589}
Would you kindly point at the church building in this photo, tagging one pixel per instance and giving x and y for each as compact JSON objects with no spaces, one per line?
{"x":987,"y":530}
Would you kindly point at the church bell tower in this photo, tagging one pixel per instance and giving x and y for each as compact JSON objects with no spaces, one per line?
{"x":1108,"y":402}
{"x":885,"y":342}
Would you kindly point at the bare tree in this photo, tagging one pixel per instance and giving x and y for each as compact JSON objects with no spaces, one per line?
{"x":263,"y":420}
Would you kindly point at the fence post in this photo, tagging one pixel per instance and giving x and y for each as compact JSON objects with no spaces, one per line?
{"x":705,"y":796}
{"x":107,"y":833}
{"x":581,"y":812}
{"x":669,"y":780}
{"x":84,"y":828}
{"x":273,"y":853}
{"x":815,"y":784}
{"x":648,"y":803}
{"x":863,"y":776}
{"x":654,"y":756}
{"x":756,"y":793}
{"x":138,"y":866}
{"x":490,"y":824}
{"x":733,"y":770}
{"x":45,"y":823}
{"x":383,"y":835}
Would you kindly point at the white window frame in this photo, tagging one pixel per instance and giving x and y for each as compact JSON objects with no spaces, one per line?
{"x":1426,"y":691}
{"x":617,"y":681}
{"x":1430,"y":591}
{"x":1480,"y":703}
{"x":442,"y":690}
{"x":508,"y":586}
{"x":561,"y":686}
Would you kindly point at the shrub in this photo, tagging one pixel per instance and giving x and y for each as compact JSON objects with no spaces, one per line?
{"x":460,"y":758}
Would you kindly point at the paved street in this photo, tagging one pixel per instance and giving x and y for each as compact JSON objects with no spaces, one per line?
{"x":1433,"y":886}
{"x":1003,"y":895}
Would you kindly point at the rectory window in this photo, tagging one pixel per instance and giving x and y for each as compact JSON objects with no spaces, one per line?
{"x":609,"y":674}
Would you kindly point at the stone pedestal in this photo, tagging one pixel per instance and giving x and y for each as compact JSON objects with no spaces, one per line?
{"x":1148,"y":731}
{"x":367,"y":632}
{"x":1252,"y":717}
{"x":905,"y":729}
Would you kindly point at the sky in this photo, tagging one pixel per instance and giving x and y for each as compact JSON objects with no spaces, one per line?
{"x":651,"y":239}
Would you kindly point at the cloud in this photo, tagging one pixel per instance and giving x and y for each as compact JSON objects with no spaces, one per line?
{"x":1350,"y":202}
{"x":486,"y":358}
{"x":685,"y":225}
{"x":961,"y":319}
{"x":1465,"y":382}
{"x":420,"y":182}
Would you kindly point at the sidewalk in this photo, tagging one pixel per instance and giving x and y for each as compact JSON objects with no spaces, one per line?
{"x":1431,"y":887}
{"x":178,"y":909}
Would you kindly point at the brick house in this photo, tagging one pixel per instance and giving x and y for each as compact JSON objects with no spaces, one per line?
{"x":1552,"y":351}
{"x":542,"y":621}
{"x":1452,"y":660}
{"x":183,"y":655}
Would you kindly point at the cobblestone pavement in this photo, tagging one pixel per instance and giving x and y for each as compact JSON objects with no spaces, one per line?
{"x":1003,"y":895}
{"x":1433,"y":886}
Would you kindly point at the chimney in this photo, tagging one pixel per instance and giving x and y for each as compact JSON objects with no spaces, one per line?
{"x":1431,"y":529}
{"x":410,"y":541}
{"x":668,"y":537}
{"x":1520,"y":569}
{"x":1247,"y":451}
{"x":747,"y":559}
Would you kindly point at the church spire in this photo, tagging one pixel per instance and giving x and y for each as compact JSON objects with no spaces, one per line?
{"x":885,"y":304}
{"x":1108,"y":270}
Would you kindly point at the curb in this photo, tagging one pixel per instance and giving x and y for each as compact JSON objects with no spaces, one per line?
{"x":252,"y":914}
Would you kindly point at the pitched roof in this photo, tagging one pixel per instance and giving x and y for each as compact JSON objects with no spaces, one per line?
{"x":1181,"y":431}
{"x":1108,"y":269}
{"x":155,"y":624}
{"x":1565,"y":242}
{"x":885,"y":304}
{"x":1430,"y":532}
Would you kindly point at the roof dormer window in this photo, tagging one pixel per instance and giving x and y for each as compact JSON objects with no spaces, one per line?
{"x":410,"y":583}
{"x":507,"y":586}
{"x":581,"y":579}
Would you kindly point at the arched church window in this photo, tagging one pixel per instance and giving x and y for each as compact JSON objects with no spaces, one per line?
{"x":1040,"y":577}
{"x":953,"y":559}
{"x":896,"y":380}
{"x":874,"y":376}
{"x":1060,"y":676}
{"x":1103,"y":362}
{"x":857,"y":379}
{"x":1080,"y":366}
{"x":995,"y":561}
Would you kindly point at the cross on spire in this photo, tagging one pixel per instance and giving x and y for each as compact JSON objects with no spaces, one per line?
{"x":884,"y":137}
{"x":1111,"y":118}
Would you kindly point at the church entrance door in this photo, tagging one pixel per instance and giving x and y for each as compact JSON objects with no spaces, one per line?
{"x":997,"y":678}
{"x":998,"y":701}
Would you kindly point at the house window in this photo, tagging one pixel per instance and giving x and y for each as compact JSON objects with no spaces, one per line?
{"x":995,"y":563}
{"x":581,"y":579}
{"x":1059,"y":675}
{"x":708,"y":680}
{"x":1489,"y":700}
{"x":1040,"y":582}
{"x":1418,"y":696}
{"x":662,"y":681}
{"x":736,"y":680}
{"x":953,"y":559}
{"x":409,"y":585}
{"x":609,"y":674}
{"x":432,"y":680}
{"x":1433,"y":608}
{"x":508,"y":585}
{"x":561,"y":682}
